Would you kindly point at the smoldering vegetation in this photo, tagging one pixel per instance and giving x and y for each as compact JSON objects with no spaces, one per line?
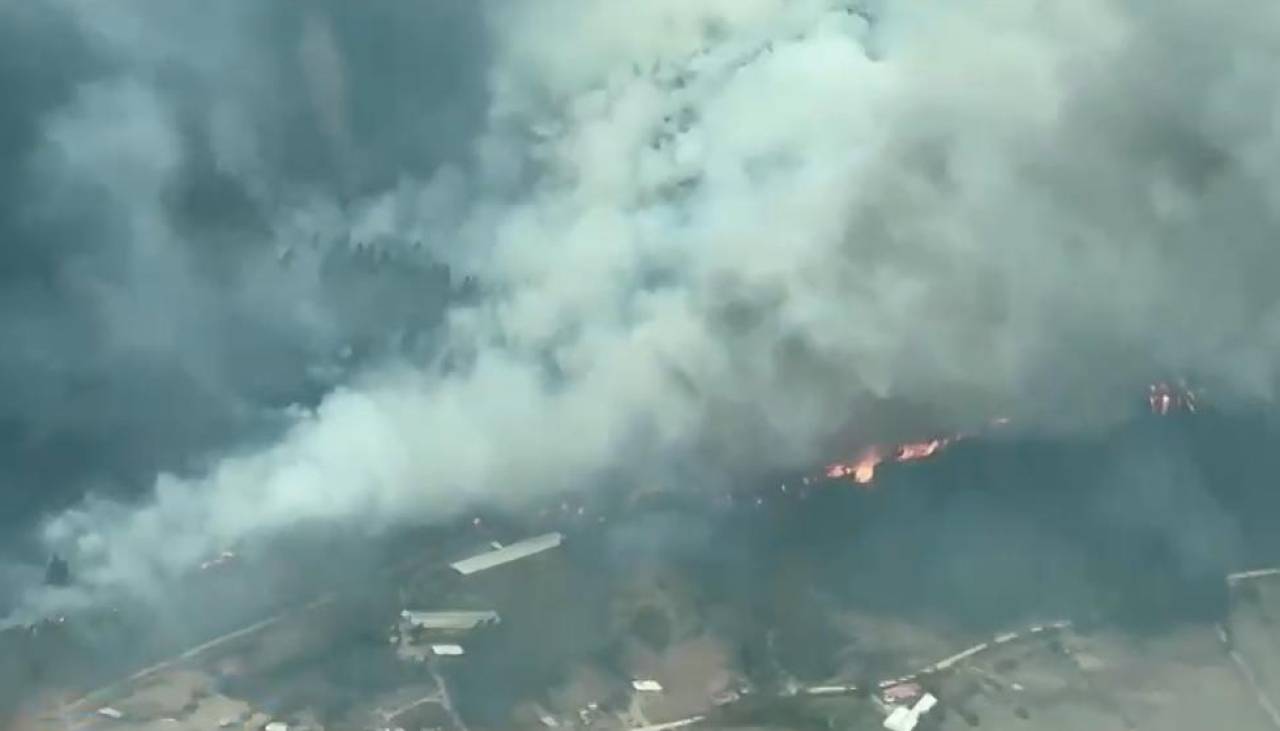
{"x":1133,"y":529}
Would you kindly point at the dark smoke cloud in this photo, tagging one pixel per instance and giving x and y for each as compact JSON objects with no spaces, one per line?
{"x":157,"y":305}
{"x":726,"y":231}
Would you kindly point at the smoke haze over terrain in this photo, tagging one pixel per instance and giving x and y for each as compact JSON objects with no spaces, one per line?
{"x":724,"y":233}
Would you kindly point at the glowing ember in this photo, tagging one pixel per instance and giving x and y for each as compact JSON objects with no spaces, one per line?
{"x":865,"y":471}
{"x":920,"y":450}
{"x":862,"y":470}
{"x":1165,"y":398}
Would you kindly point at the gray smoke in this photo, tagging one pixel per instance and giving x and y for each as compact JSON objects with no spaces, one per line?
{"x":178,"y":267}
{"x":732,"y":230}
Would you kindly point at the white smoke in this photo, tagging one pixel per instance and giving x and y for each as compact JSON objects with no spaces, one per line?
{"x":740,"y":226}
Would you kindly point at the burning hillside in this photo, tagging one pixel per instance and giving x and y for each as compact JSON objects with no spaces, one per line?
{"x":1163,"y":398}
{"x":863,"y":469}
{"x":410,"y":283}
{"x":667,"y":612}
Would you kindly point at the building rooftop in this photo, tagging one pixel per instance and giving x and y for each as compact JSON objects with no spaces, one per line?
{"x":459,"y":620}
{"x":507,"y":554}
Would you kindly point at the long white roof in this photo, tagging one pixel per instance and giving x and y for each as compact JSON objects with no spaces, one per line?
{"x":507,"y":554}
{"x":456,"y":620}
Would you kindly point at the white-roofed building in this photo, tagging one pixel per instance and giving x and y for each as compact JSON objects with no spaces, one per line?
{"x":902,"y":718}
{"x":454,"y":620}
{"x":507,"y":554}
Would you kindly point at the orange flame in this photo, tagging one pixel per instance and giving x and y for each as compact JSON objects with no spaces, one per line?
{"x":920,"y":450}
{"x":863,"y":469}
{"x":1164,"y":397}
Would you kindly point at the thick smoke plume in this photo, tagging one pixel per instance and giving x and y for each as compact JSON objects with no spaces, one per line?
{"x":727,"y":232}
